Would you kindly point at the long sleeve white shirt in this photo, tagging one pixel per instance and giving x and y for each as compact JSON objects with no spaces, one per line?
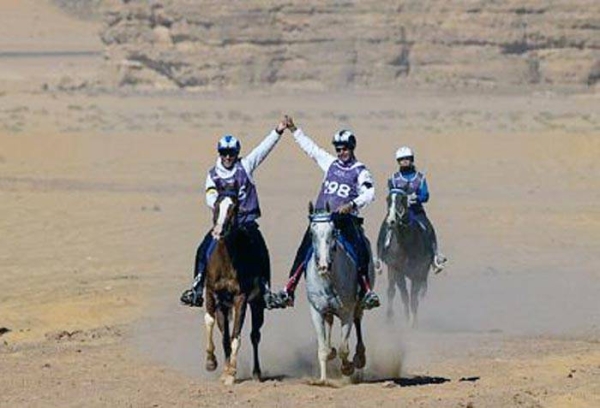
{"x":249,"y":163}
{"x":366,"y":189}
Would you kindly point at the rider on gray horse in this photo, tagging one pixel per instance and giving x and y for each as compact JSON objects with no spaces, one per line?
{"x":347,"y":187}
{"x":414,"y":184}
{"x":232,"y":169}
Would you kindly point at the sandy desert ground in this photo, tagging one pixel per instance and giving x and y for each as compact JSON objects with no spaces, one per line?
{"x":101,"y":196}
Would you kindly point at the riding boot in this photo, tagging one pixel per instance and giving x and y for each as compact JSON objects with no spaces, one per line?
{"x":369,"y":299}
{"x":194,"y":296}
{"x":271,"y":302}
{"x":285,"y":297}
{"x":439,"y":260}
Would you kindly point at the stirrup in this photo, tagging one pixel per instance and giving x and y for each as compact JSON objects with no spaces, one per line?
{"x":192,"y":298}
{"x":370,"y":300}
{"x":280,"y":300}
{"x":439,"y":262}
{"x":271,"y":300}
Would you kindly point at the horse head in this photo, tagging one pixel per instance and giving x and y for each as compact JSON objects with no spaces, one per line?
{"x":323,"y":237}
{"x":225,"y":211}
{"x":397,"y":213}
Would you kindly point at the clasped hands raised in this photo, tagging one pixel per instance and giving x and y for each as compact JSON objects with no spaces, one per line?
{"x":286,"y":123}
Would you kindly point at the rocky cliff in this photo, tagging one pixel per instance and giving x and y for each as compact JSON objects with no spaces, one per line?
{"x":214,"y":44}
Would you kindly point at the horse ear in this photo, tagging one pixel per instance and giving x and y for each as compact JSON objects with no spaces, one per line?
{"x":311,"y":208}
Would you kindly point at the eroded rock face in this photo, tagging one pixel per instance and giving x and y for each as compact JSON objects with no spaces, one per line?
{"x":368,"y":43}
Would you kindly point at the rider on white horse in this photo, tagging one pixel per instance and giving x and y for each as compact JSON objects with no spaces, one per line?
{"x":231,"y":169}
{"x":347,"y":188}
{"x":414,"y":184}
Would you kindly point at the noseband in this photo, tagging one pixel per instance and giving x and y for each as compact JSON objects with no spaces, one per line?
{"x":319,"y":218}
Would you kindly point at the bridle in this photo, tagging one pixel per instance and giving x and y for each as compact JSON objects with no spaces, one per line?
{"x":228,"y":221}
{"x":399,"y":215}
{"x":323,"y":218}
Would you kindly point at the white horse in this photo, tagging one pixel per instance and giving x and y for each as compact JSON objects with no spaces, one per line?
{"x":331,"y":288}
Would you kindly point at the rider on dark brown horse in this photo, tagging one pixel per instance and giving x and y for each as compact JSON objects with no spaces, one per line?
{"x":229,"y":169}
{"x":347,"y":187}
{"x":414,"y":185}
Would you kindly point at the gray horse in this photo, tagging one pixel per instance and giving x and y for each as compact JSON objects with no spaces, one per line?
{"x":406,"y":248}
{"x":331,"y":287}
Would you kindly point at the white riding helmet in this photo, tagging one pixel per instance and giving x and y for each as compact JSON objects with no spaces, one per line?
{"x":344,"y":138}
{"x":229,"y":142}
{"x":405,"y":152}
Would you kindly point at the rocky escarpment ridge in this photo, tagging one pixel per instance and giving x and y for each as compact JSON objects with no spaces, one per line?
{"x":311,"y":44}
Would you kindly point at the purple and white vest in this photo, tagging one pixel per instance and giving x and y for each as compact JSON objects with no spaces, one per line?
{"x":408,"y":185}
{"x":249,"y":209}
{"x":340,"y":185}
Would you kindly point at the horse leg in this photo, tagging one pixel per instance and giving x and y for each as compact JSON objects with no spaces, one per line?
{"x":401,"y":282}
{"x":209,"y":322}
{"x":415,"y":289}
{"x":359,"y":360}
{"x":258,"y":317}
{"x":239,"y":313}
{"x":332,"y":351}
{"x":323,"y":350}
{"x":347,"y":365}
{"x":223,"y":323}
{"x":392,"y":277}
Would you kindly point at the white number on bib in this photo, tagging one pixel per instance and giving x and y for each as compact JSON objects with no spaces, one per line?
{"x":242,"y":193}
{"x":333,"y":187}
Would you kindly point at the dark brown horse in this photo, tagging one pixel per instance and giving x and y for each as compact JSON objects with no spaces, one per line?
{"x":404,"y":246}
{"x":228,"y":292}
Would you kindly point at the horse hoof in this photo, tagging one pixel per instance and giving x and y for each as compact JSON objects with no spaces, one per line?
{"x":321,"y":383}
{"x":347,"y":369}
{"x":211,"y":364}
{"x":357,"y":378}
{"x":228,"y":379}
{"x":359,"y":361}
{"x":332,"y":354}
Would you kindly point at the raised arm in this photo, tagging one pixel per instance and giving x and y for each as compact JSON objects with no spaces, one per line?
{"x":260,"y":152}
{"x":319,"y":155}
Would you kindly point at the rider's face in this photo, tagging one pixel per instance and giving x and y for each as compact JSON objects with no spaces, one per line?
{"x":404,"y":162}
{"x":343,"y":153}
{"x":228,"y":158}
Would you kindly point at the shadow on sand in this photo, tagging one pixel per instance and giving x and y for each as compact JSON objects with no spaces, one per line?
{"x":276,"y":378}
{"x":410,"y":381}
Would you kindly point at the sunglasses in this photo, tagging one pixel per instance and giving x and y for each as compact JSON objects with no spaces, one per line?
{"x":228,"y":152}
{"x":406,"y":158}
{"x":341,"y":149}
